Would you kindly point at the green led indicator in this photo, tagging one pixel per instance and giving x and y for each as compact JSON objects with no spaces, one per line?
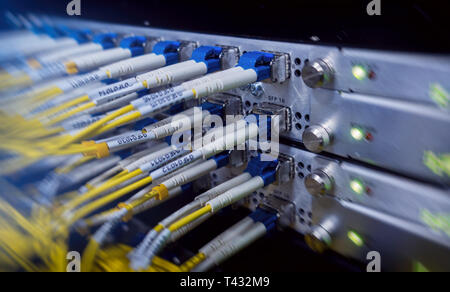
{"x":355,"y":238}
{"x":418,"y":267}
{"x":357,"y":186}
{"x":359,"y":72}
{"x":357,"y":133}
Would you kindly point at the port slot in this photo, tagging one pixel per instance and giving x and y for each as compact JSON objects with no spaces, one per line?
{"x":280,"y":67}
{"x":232,"y":104}
{"x":270,"y":109}
{"x":286,"y":169}
{"x":186,"y":49}
{"x":230,"y":56}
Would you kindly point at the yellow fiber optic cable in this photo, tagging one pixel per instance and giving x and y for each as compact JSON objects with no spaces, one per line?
{"x":116,"y":123}
{"x":70,"y":113}
{"x":89,"y":255}
{"x":86,"y":210}
{"x":95,"y":126}
{"x":71,"y":167}
{"x":64,"y":106}
{"x":193,"y":262}
{"x":188,"y":219}
{"x":99,"y":190}
{"x":46,"y":94}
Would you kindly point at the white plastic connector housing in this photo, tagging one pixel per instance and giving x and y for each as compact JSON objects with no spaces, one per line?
{"x":174,"y":74}
{"x":220,"y":189}
{"x":96,"y":60}
{"x":233,"y":247}
{"x":179,"y":124}
{"x":191,"y":174}
{"x":229,"y":141}
{"x":228,"y":235}
{"x":236,"y":194}
{"x":47,"y":45}
{"x":135,"y":65}
{"x":230,"y":81}
{"x":64,"y":54}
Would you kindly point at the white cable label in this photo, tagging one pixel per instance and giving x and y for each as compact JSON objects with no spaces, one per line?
{"x":152,"y":97}
{"x":107,"y":93}
{"x":175,"y":165}
{"x":166,"y":102}
{"x":82,"y":80}
{"x":157,"y":162}
{"x":81,"y":123}
{"x":128,"y":139}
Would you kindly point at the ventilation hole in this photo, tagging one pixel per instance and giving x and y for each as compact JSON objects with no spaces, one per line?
{"x":308,"y":168}
{"x":310,"y":215}
{"x":301,"y":165}
{"x":301,"y":175}
{"x":298,"y":116}
{"x":298,"y":61}
{"x":301,"y":211}
{"x":248,"y":104}
{"x":298,"y":126}
{"x":307,"y":118}
{"x":302,"y":220}
{"x":298,"y":73}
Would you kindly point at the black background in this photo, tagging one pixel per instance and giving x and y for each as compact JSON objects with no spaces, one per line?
{"x":404,"y":25}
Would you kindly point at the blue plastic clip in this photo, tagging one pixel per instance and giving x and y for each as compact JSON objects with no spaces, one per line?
{"x":186,"y":187}
{"x":265,"y":169}
{"x":53,"y":32}
{"x":208,"y":55}
{"x":258,"y":61}
{"x":144,"y":123}
{"x":222,"y":159}
{"x":169,"y":49}
{"x":135,"y":44}
{"x":82,"y":36}
{"x":212,"y":108}
{"x":267,"y":218}
{"x":106,"y":40}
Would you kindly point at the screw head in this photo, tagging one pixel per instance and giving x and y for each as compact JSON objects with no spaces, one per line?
{"x":257,"y":89}
{"x":316,"y":138}
{"x":319,"y":183}
{"x":318,"y":239}
{"x":317,"y":74}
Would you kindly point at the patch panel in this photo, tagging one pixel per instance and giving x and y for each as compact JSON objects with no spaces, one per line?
{"x":360,"y":196}
{"x":358,"y":159}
